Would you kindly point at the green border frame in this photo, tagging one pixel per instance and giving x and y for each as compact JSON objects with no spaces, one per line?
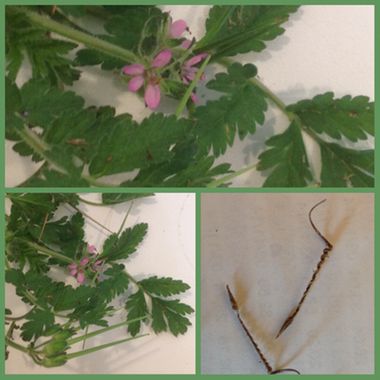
{"x":197,"y":191}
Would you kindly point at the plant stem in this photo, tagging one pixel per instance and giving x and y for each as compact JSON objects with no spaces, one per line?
{"x":92,"y":203}
{"x":48,"y":252}
{"x":78,"y":36}
{"x":31,"y":139}
{"x":91,"y":218}
{"x":101,"y":347}
{"x":124,"y":220}
{"x":43,"y":226}
{"x":18,"y":318}
{"x":101,"y":331}
{"x":15,"y":345}
{"x":228,"y":177}
{"x":189,"y":90}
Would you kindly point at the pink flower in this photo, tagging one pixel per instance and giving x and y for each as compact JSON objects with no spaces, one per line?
{"x":188,"y":71}
{"x":97,"y":265}
{"x":81,"y":277}
{"x":140,"y":76}
{"x":73,"y":268}
{"x":91,"y":249}
{"x":84,"y":261}
{"x":186,"y":43}
{"x":177,"y":28}
{"x":162,"y":58}
{"x":77,"y":272}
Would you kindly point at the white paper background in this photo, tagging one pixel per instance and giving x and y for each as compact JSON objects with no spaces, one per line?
{"x":324,"y":48}
{"x":263,"y":246}
{"x":168,"y":250}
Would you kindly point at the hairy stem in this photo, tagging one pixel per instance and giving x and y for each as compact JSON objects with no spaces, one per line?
{"x":15,"y":345}
{"x":48,"y":252}
{"x":322,"y":259}
{"x":124,"y":220}
{"x":90,"y":218}
{"x":103,"y":330}
{"x":18,"y":318}
{"x":101,"y":347}
{"x":88,"y":40}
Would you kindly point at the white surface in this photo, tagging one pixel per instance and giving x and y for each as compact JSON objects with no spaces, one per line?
{"x":167,"y":250}
{"x":324,"y":48}
{"x":263,"y":246}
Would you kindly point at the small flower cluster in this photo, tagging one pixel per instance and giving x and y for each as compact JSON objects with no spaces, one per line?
{"x":78,"y":270}
{"x":148,"y":76}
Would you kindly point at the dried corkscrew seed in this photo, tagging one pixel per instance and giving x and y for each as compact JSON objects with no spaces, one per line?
{"x":268,"y":367}
{"x":322,"y":259}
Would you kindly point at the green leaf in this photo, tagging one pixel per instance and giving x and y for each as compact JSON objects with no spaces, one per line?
{"x":162,"y":148}
{"x":348,"y":117}
{"x":118,"y":248}
{"x":115,"y":284}
{"x":346,"y":167}
{"x":128,"y":146}
{"x":65,"y":235}
{"x":47,"y":55}
{"x":246,"y":29}
{"x":43,"y":104}
{"x":170,"y":314}
{"x":241,"y":109}
{"x":31,"y":206}
{"x":20,"y":252}
{"x":39,"y":323}
{"x":142,"y":21}
{"x":164,"y":286}
{"x":137,"y":308}
{"x":14,"y":277}
{"x":287,"y":159}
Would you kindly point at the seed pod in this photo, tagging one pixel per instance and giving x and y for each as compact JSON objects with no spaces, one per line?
{"x":54,"y":362}
{"x":62,"y":335}
{"x":55,"y":347}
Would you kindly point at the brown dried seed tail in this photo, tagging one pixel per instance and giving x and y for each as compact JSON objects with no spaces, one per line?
{"x":322,"y":259}
{"x":235,"y":307}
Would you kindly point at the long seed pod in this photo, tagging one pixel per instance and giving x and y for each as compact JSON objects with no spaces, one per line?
{"x":268,"y":367}
{"x":322,"y":259}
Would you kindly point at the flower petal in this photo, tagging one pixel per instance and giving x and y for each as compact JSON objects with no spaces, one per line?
{"x":81,"y":277}
{"x":134,"y":69}
{"x":196,"y":59}
{"x":152,"y":96}
{"x":186,"y":44}
{"x":73,"y":272}
{"x":194,"y":98}
{"x":162,"y":58}
{"x":177,"y":28}
{"x":91,"y":248}
{"x":84,"y":261}
{"x":135,"y":83}
{"x":72,"y":266}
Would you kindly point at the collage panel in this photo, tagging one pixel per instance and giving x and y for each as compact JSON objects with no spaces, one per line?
{"x":100,"y":283}
{"x":190,"y":96}
{"x":137,"y":239}
{"x":287,"y":283}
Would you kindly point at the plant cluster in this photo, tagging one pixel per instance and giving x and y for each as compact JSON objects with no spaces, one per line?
{"x":39,"y":244}
{"x":155,"y":55}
